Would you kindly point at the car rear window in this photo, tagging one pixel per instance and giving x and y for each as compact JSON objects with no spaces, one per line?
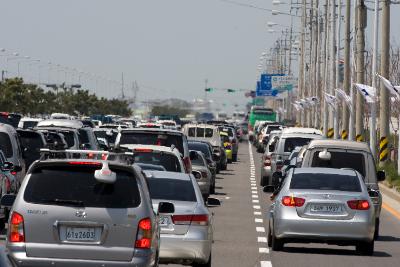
{"x":63,"y":186}
{"x":5,"y":145}
{"x":325,"y":181}
{"x":199,"y":161}
{"x":292,"y":142}
{"x":29,"y":124}
{"x":83,"y":137}
{"x":171,"y":189}
{"x":150,"y":138}
{"x":169,"y":161}
{"x":341,"y":160}
{"x":109,"y":135}
{"x":271,"y":128}
{"x":202,"y":148}
{"x":69,"y":138}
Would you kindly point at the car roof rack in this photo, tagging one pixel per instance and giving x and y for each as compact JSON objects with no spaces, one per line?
{"x":120,"y":155}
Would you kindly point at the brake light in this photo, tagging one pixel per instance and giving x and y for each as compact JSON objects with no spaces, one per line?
{"x":144,"y":235}
{"x":358,"y":204}
{"x":267,"y":161}
{"x":145,"y":150}
{"x":188,"y":164}
{"x":13,"y":173}
{"x":199,"y":219}
{"x":85,"y":163}
{"x":16,"y":228}
{"x":290,"y":201}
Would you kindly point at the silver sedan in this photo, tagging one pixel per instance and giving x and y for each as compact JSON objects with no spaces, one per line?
{"x":186,"y":234}
{"x":325,"y":206}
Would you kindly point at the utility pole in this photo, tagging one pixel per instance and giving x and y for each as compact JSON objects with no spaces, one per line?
{"x":122,"y":86}
{"x":326,"y":75}
{"x":352,"y":118}
{"x":311,"y":65}
{"x":372,"y":128}
{"x":332,"y":111}
{"x":301,"y":63}
{"x":361,"y":25}
{"x":384,"y":112}
{"x":317,"y":62}
{"x":347,"y":68}
{"x":337,"y":82}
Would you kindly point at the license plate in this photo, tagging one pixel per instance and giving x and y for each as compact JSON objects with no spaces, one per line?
{"x":326,"y":208}
{"x":80,"y":234}
{"x":164,"y":220}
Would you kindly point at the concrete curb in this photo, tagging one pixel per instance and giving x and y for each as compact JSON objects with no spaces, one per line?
{"x":390,"y":192}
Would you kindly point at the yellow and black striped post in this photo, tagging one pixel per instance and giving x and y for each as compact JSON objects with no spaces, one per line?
{"x":330,"y":133}
{"x":383,"y":149}
{"x":359,"y":138}
{"x":344,"y":135}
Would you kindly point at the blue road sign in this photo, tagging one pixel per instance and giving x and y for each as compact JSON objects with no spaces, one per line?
{"x":264,"y":86}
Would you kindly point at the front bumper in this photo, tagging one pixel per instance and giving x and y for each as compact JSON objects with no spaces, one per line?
{"x":195,"y":246}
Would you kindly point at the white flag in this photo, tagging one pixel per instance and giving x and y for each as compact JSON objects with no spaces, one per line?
{"x":367,"y":91}
{"x":394,"y":90}
{"x":345,"y":97}
{"x":297,"y":106}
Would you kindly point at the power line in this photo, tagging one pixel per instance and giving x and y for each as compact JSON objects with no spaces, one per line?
{"x":252,"y":6}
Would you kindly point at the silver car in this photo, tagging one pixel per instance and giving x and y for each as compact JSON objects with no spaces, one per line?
{"x":75,"y":212}
{"x":323,"y":205}
{"x":202,"y":173}
{"x":186,"y":234}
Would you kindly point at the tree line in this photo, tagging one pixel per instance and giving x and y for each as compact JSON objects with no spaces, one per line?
{"x":30,"y":99}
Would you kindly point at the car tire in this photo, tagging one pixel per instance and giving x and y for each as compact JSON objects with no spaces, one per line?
{"x":269,"y":237}
{"x":229,"y":161}
{"x":276,"y":244}
{"x":377,"y":226}
{"x":365,"y":248}
{"x":207,"y":264}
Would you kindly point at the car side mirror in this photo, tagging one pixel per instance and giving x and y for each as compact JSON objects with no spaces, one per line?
{"x":213,"y":202}
{"x":7,"y":200}
{"x":269,"y":189}
{"x":193,"y":155}
{"x":7,"y":166}
{"x":166,"y":208}
{"x":373,"y":193}
{"x":290,"y":166}
{"x":381,"y":176}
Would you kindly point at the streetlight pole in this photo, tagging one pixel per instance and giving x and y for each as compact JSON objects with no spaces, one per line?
{"x":372,"y":128}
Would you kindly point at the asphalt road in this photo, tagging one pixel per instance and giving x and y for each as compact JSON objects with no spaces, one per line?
{"x":240,"y":228}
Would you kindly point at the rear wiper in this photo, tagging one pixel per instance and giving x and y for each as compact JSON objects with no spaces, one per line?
{"x":71,"y":202}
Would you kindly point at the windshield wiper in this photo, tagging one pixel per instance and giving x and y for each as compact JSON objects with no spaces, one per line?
{"x":67,"y":202}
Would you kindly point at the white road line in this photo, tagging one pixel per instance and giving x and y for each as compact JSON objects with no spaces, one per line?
{"x":263,"y":250}
{"x":262,"y":239}
{"x":258,"y":220}
{"x":254,"y":196}
{"x":260,"y":229}
{"x":257,"y":207}
{"x":266,"y":264}
{"x":257,"y":213}
{"x":254,"y":188}
{"x":254,"y":192}
{"x":256,"y":201}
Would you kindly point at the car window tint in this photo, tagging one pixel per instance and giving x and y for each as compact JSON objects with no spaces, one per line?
{"x":29,"y":124}
{"x":150,"y":138}
{"x":209,"y":132}
{"x":200,"y":132}
{"x":83,"y":137}
{"x":200,"y":147}
{"x":341,"y":160}
{"x":199,"y":161}
{"x":292,"y":142}
{"x":169,"y":161}
{"x":171,"y":189}
{"x":192,"y":132}
{"x":69,"y":138}
{"x":325,"y":181}
{"x":272,"y":128}
{"x":78,"y":184}
{"x":5,"y":145}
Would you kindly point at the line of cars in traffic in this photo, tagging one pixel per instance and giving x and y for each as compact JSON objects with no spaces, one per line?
{"x":324,"y":190}
{"x":112,"y":196}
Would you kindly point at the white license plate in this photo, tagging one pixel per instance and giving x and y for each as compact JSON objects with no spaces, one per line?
{"x":81,"y":234}
{"x":164,"y":220}
{"x":326,"y":208}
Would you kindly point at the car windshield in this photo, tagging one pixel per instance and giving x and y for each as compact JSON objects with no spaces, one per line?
{"x":149,"y":138}
{"x":341,"y":160}
{"x":5,"y":145}
{"x":77,"y":186}
{"x":292,"y":142}
{"x":325,"y":181}
{"x":171,"y":189}
{"x":200,"y":147}
{"x":167,"y":160}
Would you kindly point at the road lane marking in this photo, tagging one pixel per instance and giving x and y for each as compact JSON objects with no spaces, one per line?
{"x":258,"y":220}
{"x":260,"y":229}
{"x":254,"y":192}
{"x":256,"y":201}
{"x":263,"y":250}
{"x":254,"y":196}
{"x":391,"y":210}
{"x":262,"y":239}
{"x":257,"y":207}
{"x":254,"y":188}
{"x":265,"y":264}
{"x":257,"y":213}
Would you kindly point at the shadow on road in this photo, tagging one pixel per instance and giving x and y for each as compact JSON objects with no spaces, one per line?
{"x":387,"y":238}
{"x":332,"y":251}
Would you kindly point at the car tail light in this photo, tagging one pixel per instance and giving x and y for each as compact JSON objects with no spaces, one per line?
{"x":190,"y":219}
{"x":144,"y":150}
{"x":144,"y":235}
{"x":13,"y":173}
{"x":267,"y":161}
{"x":85,"y":163}
{"x":358,"y":204}
{"x":17,"y":234}
{"x":188,"y":164}
{"x":290,"y":201}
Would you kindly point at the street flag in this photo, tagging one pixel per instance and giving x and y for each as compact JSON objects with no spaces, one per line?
{"x":346,"y":98}
{"x":297,"y":107}
{"x":367,"y":91}
{"x":394,"y":90}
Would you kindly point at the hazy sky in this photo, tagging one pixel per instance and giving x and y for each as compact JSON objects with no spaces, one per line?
{"x":168,"y":46}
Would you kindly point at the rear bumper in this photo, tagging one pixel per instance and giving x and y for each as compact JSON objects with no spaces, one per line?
{"x":195,"y":246}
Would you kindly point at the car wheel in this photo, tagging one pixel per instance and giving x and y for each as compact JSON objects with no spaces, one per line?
{"x":269,"y":237}
{"x":376,"y":233}
{"x":207,"y":264}
{"x":229,"y":161}
{"x":365,"y":248}
{"x":276,"y":244}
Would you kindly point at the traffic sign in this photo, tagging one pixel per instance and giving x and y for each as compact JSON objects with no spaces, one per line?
{"x":264,"y":86}
{"x":283,"y":83}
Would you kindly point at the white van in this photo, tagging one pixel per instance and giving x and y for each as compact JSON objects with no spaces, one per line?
{"x":203,"y":132}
